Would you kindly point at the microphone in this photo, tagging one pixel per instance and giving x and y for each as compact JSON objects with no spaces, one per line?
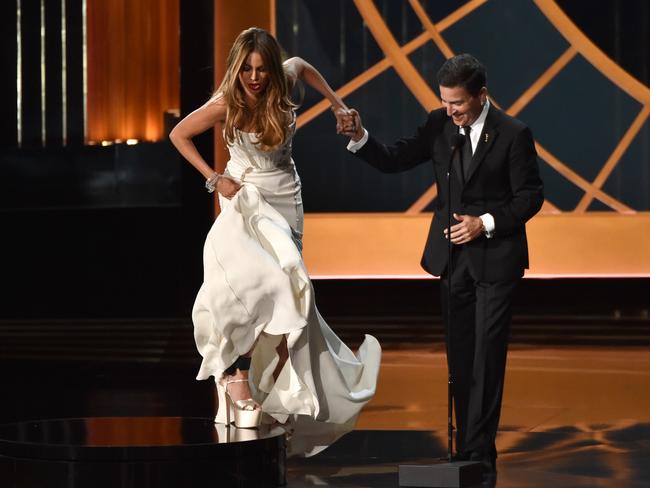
{"x":456,"y":142}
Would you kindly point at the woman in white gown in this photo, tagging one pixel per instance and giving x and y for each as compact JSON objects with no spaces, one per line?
{"x":256,"y":299}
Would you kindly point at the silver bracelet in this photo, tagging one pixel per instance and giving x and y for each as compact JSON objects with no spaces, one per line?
{"x":211,"y":183}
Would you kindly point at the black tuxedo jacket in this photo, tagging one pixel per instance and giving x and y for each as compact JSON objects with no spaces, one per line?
{"x":503,"y":180}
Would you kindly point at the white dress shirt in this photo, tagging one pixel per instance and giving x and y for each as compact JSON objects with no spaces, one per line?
{"x":477,"y":126}
{"x":475,"y":136}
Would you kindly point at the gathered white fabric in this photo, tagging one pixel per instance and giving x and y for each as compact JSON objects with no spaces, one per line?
{"x":256,"y":291}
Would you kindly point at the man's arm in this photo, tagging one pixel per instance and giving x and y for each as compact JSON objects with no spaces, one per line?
{"x":527,"y":196}
{"x":526,"y":184}
{"x":401,"y":156}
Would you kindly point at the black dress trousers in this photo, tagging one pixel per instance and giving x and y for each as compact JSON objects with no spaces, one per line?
{"x":477,"y":349}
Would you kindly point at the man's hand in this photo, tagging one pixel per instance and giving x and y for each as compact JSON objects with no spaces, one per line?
{"x":468,"y":229}
{"x":350,"y":125}
{"x":227,"y":186}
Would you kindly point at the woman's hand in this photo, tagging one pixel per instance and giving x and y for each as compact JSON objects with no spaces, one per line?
{"x":227,"y":186}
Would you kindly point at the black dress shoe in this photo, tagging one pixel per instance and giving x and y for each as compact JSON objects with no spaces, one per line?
{"x":461,"y":456}
{"x":489,"y":466}
{"x":489,"y":479}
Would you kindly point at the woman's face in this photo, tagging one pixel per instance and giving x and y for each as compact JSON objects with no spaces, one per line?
{"x":254,"y":76}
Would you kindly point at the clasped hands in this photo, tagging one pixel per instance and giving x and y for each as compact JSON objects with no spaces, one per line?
{"x":348,"y":123}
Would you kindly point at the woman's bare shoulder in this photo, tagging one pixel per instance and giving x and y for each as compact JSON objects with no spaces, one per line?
{"x":292,"y":68}
{"x":216,"y":106}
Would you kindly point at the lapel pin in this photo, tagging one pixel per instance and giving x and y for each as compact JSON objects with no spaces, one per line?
{"x":486,"y":137}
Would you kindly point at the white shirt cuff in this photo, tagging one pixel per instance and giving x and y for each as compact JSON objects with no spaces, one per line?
{"x":488,"y":224}
{"x":355,"y":146}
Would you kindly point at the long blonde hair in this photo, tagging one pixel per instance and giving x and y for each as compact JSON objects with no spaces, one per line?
{"x":272,"y":113}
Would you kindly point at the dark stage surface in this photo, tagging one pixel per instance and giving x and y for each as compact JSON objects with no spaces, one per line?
{"x":575,"y":414}
{"x":576,"y":410}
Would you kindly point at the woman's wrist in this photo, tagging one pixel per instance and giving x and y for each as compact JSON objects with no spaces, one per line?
{"x":211,"y":182}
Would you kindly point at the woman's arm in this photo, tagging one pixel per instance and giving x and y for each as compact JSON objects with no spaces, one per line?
{"x":299,"y":69}
{"x":202,"y":119}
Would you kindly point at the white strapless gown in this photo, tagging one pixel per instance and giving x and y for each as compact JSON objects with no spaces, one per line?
{"x":256,"y":290}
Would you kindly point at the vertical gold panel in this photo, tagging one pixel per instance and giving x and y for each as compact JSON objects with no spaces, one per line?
{"x":272,"y":21}
{"x":133,"y":68}
{"x":84,"y":63}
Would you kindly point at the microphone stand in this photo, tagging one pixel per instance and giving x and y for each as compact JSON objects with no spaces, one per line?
{"x":452,"y":474}
{"x":456,"y":144}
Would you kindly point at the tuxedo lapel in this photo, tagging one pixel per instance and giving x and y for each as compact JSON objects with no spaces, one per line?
{"x":450,"y":130}
{"x":488,"y":136}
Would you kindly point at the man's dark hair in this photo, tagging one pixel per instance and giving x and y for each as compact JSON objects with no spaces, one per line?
{"x":463,"y":70}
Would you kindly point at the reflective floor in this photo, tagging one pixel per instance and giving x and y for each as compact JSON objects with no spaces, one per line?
{"x":572,"y":417}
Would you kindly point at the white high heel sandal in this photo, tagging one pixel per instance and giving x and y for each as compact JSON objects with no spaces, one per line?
{"x":245,"y":414}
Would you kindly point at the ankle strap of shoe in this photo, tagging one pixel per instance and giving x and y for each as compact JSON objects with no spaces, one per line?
{"x":244,"y":380}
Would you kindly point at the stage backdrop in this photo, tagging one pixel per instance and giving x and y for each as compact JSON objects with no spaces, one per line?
{"x":589,"y":117}
{"x":80,"y":78}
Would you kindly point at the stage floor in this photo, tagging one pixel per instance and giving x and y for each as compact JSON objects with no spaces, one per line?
{"x":572,"y":417}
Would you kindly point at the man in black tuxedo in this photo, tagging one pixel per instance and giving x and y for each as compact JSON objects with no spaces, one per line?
{"x":495,"y":189}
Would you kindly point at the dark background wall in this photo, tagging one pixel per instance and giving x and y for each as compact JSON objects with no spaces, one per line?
{"x":101,"y":232}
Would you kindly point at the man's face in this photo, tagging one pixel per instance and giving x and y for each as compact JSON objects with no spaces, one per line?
{"x":462,"y":107}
